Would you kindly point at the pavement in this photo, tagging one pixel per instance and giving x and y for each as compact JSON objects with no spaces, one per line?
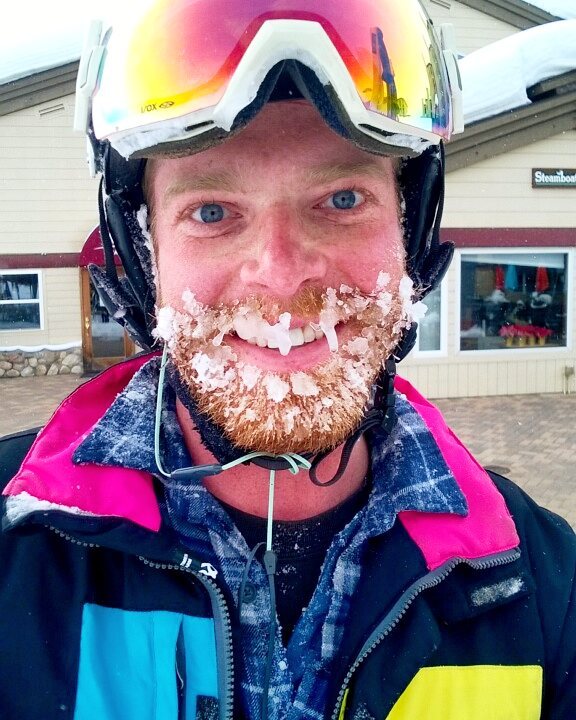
{"x":529,"y":438}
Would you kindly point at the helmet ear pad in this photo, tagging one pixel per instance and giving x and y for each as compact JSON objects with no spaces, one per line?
{"x":130,"y":298}
{"x":421,"y":181}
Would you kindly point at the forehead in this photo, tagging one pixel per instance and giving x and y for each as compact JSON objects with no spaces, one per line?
{"x":285,"y":137}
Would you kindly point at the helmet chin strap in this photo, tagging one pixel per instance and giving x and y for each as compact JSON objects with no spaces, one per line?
{"x":381,"y":414}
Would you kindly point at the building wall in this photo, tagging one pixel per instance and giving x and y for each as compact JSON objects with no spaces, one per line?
{"x":454,"y":373}
{"x":473,"y":28}
{"x":47,"y":197}
{"x":47,"y":205}
{"x":60,"y":310}
{"x":493,"y":194}
{"x":498,"y":192}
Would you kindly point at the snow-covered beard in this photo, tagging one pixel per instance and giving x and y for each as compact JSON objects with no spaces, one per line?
{"x":302,"y":411}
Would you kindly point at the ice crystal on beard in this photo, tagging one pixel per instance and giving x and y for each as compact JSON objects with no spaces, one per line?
{"x":276,"y":388}
{"x":418,"y":311}
{"x":249,"y":375}
{"x":353,"y":376}
{"x":357,"y":346}
{"x":303,"y":384}
{"x":165,"y":323}
{"x":384,"y":302}
{"x":211,"y":372}
{"x":382,"y":281}
{"x":289,"y":417}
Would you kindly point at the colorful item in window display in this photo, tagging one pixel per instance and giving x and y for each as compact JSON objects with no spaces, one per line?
{"x":511,"y":279}
{"x":542,"y":282}
{"x":499,"y":278}
{"x":524,"y":334}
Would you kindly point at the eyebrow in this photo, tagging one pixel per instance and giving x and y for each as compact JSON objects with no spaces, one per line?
{"x":325,"y":174}
{"x":211,"y":181}
{"x":321,"y":175}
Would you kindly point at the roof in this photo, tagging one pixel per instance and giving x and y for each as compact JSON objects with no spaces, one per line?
{"x":517,"y":13}
{"x":541,"y":99}
{"x":551,"y":112}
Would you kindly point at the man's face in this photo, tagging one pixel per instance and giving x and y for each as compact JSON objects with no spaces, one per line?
{"x":270,"y":248}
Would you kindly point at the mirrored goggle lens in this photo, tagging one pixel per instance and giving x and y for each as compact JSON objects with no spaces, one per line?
{"x":181,"y":55}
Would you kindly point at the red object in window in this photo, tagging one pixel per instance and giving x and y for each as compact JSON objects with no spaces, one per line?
{"x":542,"y":283}
{"x":499,"y":278}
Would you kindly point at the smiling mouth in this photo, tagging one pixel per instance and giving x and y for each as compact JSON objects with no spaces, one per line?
{"x":309,"y":333}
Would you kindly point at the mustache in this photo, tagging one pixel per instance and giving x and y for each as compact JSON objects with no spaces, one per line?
{"x":306,"y":304}
{"x":317,"y":306}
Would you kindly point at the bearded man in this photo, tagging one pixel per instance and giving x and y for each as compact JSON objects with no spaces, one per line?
{"x":256,"y":518}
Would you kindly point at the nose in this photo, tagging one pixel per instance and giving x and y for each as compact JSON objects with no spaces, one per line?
{"x":285,"y":256}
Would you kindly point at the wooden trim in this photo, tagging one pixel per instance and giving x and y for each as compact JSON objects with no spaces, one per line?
{"x":40,"y":261}
{"x":518,"y":13}
{"x":91,"y":363}
{"x":87,"y":350}
{"x":510,"y":237}
{"x":44,"y":86}
{"x":513,"y":129}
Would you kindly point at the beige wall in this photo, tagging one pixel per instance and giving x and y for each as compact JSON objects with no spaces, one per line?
{"x":453,"y":373}
{"x":47,"y":199}
{"x":498,"y":192}
{"x":61,"y":312}
{"x":47,"y":205}
{"x":491,"y":194}
{"x":473,"y":28}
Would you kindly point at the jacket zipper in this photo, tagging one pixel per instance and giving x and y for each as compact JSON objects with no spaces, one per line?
{"x":222,"y":622}
{"x":223,"y":631}
{"x":400,"y":608}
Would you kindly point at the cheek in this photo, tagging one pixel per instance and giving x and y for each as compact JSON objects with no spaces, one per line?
{"x":180,"y":268}
{"x":381,"y":251}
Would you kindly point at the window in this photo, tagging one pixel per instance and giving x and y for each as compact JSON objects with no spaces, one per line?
{"x":430,"y":326}
{"x":513,"y":300}
{"x":20,"y":295}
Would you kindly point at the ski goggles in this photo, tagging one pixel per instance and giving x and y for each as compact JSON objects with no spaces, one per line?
{"x":185,"y":66}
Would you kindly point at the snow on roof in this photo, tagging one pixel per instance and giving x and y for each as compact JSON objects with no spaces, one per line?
{"x":496,"y":77}
{"x":31,"y":59}
{"x":559,"y":8}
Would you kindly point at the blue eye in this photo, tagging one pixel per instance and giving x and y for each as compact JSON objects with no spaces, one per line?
{"x":209,"y":213}
{"x":345,"y":199}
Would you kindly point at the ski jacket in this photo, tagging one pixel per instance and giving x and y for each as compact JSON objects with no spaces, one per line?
{"x":105,"y":616}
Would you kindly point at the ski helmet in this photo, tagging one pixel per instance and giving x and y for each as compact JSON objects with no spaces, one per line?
{"x":179,"y":76}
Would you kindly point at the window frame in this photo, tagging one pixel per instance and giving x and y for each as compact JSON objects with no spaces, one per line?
{"x":39,"y":301}
{"x":443,"y":350}
{"x":515,"y":351}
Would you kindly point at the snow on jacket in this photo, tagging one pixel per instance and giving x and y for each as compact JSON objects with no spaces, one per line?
{"x":105,"y":615}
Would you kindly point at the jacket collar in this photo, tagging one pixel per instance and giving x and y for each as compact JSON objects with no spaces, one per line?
{"x":88,"y":429}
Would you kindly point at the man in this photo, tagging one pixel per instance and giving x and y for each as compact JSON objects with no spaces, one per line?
{"x":255,"y":524}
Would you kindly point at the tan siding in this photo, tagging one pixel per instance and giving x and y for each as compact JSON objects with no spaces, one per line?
{"x":465,"y":374}
{"x":61,"y":305}
{"x":47,"y":199}
{"x":473,"y":28}
{"x":498,"y":192}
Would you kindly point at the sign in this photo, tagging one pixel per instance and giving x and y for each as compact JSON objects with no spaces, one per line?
{"x":553,"y":177}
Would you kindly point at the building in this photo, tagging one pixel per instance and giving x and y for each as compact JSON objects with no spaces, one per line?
{"x":503,"y":321}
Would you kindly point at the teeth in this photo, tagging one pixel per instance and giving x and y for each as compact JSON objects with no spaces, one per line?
{"x":298,"y":336}
{"x":308,"y":334}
